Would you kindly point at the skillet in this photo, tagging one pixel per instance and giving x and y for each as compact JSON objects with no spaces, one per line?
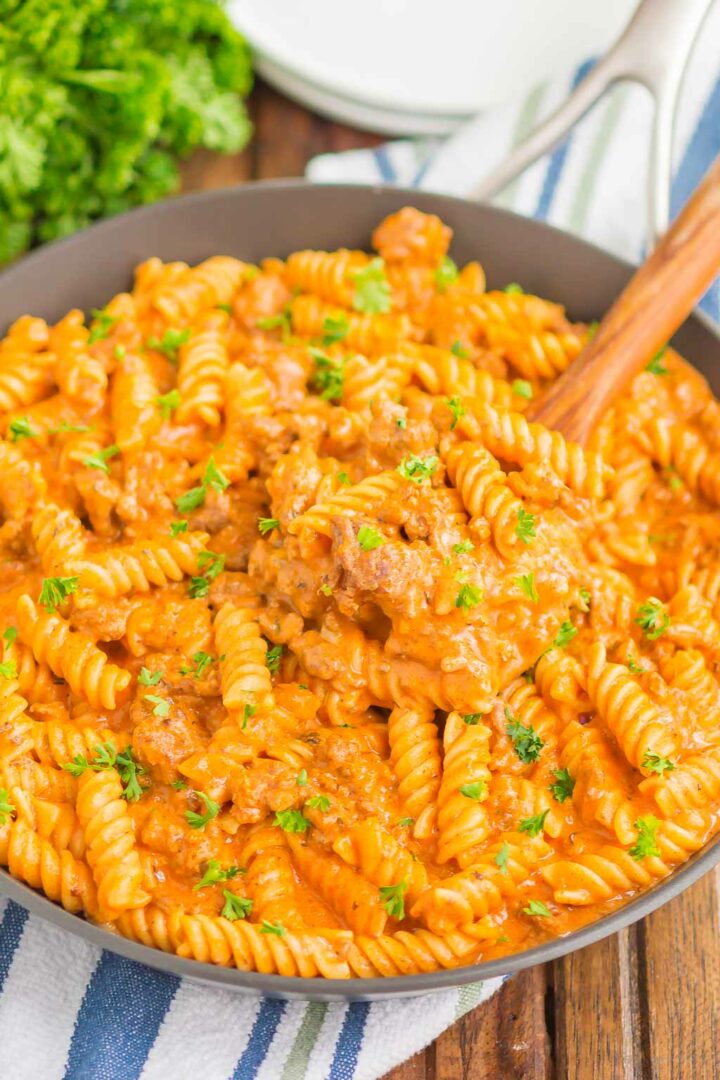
{"x":275,"y":218}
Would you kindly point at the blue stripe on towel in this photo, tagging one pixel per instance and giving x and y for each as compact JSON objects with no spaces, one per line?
{"x":11,"y":932}
{"x":702,"y":148}
{"x":261,"y":1036}
{"x":558,"y":157}
{"x":384,"y":164}
{"x":124,"y":1005}
{"x":349,"y":1043}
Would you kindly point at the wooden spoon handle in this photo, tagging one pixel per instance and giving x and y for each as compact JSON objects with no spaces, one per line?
{"x":657,"y":300}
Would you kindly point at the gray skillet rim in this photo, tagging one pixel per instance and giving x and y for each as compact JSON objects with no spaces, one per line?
{"x":45,"y":269}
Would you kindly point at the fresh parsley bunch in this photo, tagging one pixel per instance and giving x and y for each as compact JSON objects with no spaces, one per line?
{"x":98,"y":99}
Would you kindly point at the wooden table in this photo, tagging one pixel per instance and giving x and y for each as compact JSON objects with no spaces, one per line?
{"x":642,"y":1005}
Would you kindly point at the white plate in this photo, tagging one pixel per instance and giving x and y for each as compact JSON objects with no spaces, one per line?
{"x":426,"y":58}
{"x":367,"y":117}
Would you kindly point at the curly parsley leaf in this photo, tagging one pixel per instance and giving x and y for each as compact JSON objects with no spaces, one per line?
{"x":393,"y":899}
{"x":291,"y":821}
{"x":446,"y":274}
{"x":101,"y":458}
{"x":369,"y":538}
{"x":235,"y":907}
{"x":534,"y":825}
{"x":646,"y":843}
{"x":328,"y":377}
{"x":525,"y":740}
{"x":372,"y":291}
{"x":199,"y":821}
{"x":564,"y":785}
{"x":525,"y":528}
{"x":416,"y":468}
{"x":56,"y":589}
{"x":655,"y":763}
{"x":652,"y":619}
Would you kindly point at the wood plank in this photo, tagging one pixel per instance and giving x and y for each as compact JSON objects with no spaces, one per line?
{"x":680,"y":965}
{"x":504,"y":1038}
{"x":287,"y":135}
{"x":413,"y":1069}
{"x":597,"y":1011}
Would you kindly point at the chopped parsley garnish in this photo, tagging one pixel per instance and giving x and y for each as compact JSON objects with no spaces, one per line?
{"x":168,"y":403}
{"x":100,"y":460}
{"x":533,"y":826}
{"x":215,"y":873}
{"x":564,"y":785}
{"x":656,"y":366}
{"x":463,"y":548}
{"x":527,"y":583}
{"x":525,"y":528}
{"x":416,"y":468}
{"x":372,"y":291}
{"x":526,"y":741}
{"x":161,"y":707}
{"x":592,"y":329}
{"x":501,"y":859}
{"x":392,"y":897}
{"x":273,"y":658}
{"x":279,"y":322}
{"x":64,"y":427}
{"x":212,"y":564}
{"x":468,"y":597}
{"x":326,"y":589}
{"x":329,"y":375}
{"x":634,"y":667}
{"x":655,"y":763}
{"x":248,"y":712}
{"x":475,"y":791}
{"x":446,"y":274}
{"x":56,"y":589}
{"x":457,"y":409}
{"x":472,"y":718}
{"x":8,"y":669}
{"x":291,"y":821}
{"x":149,"y":678}
{"x":564,"y":635}
{"x":335,"y":328}
{"x":302,"y":778}
{"x":235,"y":907}
{"x":646,"y":843}
{"x":101,"y":325}
{"x":272,"y":928}
{"x":457,"y":349}
{"x":405,"y":822}
{"x":10,"y":634}
{"x":169,"y":343}
{"x":7,"y":809}
{"x":674,"y":481}
{"x":213,"y":477}
{"x":177,"y":527}
{"x":401,"y":423}
{"x":343,"y":478}
{"x":190,"y":500}
{"x":202,"y":661}
{"x":21,"y":429}
{"x":522,"y":388}
{"x":107,"y":757}
{"x":179,"y":784}
{"x":652,"y":619}
{"x":119,"y":352}
{"x":584,"y":604}
{"x":199,"y":821}
{"x":227,"y":308}
{"x":369,"y":538}
{"x":129,"y":771}
{"x":514,"y":289}
{"x":319,"y":802}
{"x":536,"y":907}
{"x":266,"y":525}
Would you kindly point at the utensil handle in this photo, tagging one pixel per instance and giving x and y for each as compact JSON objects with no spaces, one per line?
{"x":652,"y":307}
{"x":653,"y":50}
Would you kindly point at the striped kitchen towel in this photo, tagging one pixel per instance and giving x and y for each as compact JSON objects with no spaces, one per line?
{"x":70,"y":1011}
{"x":594,"y":184}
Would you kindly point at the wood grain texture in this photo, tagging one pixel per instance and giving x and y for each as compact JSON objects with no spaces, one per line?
{"x":644,"y":1005}
{"x":656,"y":301}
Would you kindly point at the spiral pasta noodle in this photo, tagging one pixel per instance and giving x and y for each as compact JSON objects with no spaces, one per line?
{"x":317,"y":656}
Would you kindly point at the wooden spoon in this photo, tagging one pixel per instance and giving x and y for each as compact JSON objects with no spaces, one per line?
{"x":656,"y":301}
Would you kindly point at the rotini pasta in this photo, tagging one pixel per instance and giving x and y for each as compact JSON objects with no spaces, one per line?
{"x":318,"y":657}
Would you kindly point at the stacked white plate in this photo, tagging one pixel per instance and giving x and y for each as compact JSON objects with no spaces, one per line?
{"x":411,"y":67}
